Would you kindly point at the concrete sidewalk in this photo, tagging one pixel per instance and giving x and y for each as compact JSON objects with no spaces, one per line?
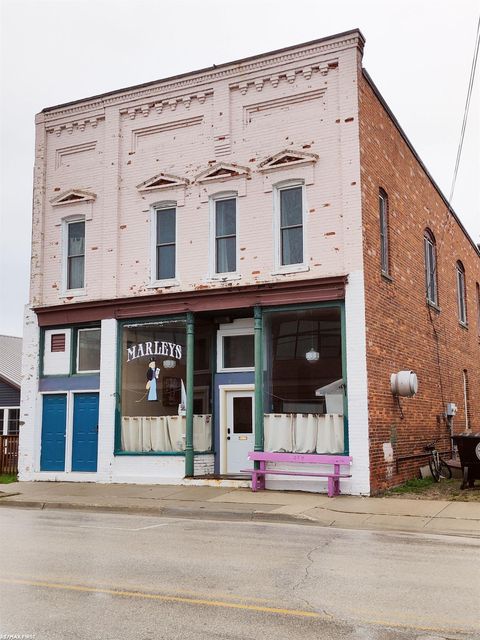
{"x":226,"y":503}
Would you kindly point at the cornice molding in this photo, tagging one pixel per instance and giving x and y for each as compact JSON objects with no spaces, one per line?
{"x":206,"y":77}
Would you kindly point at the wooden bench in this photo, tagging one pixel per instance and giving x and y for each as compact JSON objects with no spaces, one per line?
{"x":337,"y":461}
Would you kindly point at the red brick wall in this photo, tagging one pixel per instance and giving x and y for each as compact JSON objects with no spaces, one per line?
{"x":403,"y":332}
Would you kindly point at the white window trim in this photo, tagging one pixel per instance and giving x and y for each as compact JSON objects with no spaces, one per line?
{"x":77,"y":355}
{"x":6,"y":417}
{"x":65,"y":292}
{"x":166,"y":282}
{"x":280,"y":269}
{"x":230,"y":332}
{"x":212,"y":262}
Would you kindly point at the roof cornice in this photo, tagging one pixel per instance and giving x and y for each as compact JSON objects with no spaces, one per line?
{"x":195,"y":79}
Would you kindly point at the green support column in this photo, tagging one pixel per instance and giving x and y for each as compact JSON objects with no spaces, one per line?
{"x":189,"y":457}
{"x":258,"y":379}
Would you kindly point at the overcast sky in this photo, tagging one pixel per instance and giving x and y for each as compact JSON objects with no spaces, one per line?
{"x":418,"y":53}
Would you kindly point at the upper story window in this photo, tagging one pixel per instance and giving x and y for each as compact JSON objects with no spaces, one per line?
{"x":165,"y":244}
{"x":383,"y":211}
{"x":75,"y":254}
{"x":290,"y":224}
{"x":461,"y":293}
{"x":430,"y":267}
{"x":225,"y":224}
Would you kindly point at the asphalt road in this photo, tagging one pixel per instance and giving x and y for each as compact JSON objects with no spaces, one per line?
{"x":72,"y":575}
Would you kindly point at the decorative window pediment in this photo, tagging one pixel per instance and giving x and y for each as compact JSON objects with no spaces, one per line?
{"x":222,"y":170}
{"x":287,"y":157}
{"x":72,"y":196}
{"x":162,"y":181}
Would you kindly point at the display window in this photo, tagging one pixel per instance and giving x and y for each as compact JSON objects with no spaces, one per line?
{"x":304,"y":388}
{"x":153,"y":390}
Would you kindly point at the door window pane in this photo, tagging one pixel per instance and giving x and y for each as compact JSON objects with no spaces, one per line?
{"x":88,"y":348}
{"x":242,"y":415}
{"x":238,"y":352}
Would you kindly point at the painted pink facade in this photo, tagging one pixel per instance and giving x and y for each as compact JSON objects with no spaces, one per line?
{"x":302,"y":100}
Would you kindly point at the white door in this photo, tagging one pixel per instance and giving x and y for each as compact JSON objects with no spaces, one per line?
{"x":240,"y":429}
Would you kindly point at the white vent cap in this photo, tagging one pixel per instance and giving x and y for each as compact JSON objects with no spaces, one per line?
{"x":404,"y":383}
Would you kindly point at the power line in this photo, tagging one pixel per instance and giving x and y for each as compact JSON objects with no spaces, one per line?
{"x":467,"y":106}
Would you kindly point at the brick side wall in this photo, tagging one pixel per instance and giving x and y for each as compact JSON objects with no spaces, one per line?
{"x":403,"y":332}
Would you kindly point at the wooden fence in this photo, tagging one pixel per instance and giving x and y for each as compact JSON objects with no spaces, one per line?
{"x":8,"y":454}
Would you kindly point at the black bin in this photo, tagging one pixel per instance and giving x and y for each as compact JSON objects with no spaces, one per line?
{"x":469,"y":451}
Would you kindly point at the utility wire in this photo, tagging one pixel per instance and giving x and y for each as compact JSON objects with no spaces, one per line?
{"x":467,"y":106}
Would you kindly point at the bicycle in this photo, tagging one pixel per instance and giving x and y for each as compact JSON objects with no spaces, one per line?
{"x":439,"y":468}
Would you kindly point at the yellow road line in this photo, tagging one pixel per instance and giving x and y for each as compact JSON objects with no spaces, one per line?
{"x":163,"y":598}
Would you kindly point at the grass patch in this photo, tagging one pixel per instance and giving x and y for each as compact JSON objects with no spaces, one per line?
{"x":428,"y":489}
{"x":416,"y":485}
{"x":7,"y":478}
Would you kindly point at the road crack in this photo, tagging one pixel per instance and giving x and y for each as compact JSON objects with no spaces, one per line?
{"x":306,"y":576}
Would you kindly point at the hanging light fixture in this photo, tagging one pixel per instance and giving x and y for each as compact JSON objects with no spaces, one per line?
{"x":312,"y":355}
{"x":169,"y":363}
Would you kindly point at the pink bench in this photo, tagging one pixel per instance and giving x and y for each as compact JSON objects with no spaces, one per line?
{"x":337,"y":461}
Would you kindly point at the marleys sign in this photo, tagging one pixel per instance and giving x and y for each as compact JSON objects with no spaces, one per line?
{"x":155,"y":348}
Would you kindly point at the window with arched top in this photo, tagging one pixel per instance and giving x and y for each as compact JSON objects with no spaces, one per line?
{"x":478,"y":308}
{"x":383,"y":213}
{"x":430,"y":267}
{"x":461,"y":293}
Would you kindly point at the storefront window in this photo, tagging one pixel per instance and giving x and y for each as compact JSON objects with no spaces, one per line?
{"x":153,"y":390}
{"x":304,"y":387}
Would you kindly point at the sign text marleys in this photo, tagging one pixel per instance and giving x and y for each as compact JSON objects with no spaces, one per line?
{"x":156,"y":348}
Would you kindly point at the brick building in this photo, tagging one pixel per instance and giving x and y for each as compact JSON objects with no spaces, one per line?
{"x":237,"y":258}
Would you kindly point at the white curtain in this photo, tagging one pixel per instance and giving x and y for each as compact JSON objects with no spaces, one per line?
{"x":304,"y":432}
{"x":278,"y":431}
{"x":165,"y":433}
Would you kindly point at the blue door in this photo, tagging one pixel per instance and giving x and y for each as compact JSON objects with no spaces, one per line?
{"x":54,"y":422}
{"x":85,"y":432}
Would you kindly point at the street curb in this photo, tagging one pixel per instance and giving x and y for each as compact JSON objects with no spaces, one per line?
{"x":170,"y":512}
{"x":256,"y":516}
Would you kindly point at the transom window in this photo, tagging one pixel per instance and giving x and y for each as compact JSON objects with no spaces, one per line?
{"x":291,"y":225}
{"x":461,"y":293}
{"x":225,"y":235}
{"x":165,"y":243}
{"x":383,"y":210}
{"x":76,"y":254}
{"x":88,"y":350}
{"x":430,"y":267}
